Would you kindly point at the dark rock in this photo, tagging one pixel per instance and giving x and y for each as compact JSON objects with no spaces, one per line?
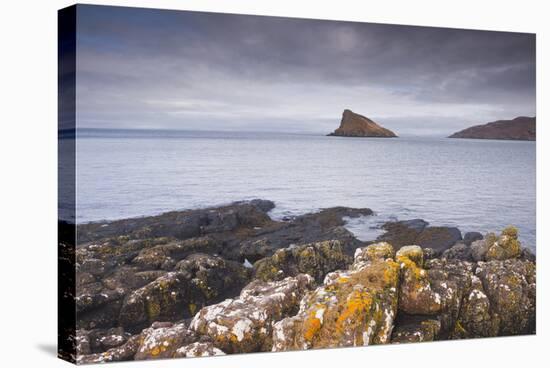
{"x":439,"y":238}
{"x":253,"y":250}
{"x":165,"y":256}
{"x":417,"y":232}
{"x":528,"y":255}
{"x":400,"y":233}
{"x":471,"y":237}
{"x":181,"y":224}
{"x":458,"y":251}
{"x":198,"y":280}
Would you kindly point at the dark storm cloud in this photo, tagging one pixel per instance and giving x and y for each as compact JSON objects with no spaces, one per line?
{"x":186,"y":70}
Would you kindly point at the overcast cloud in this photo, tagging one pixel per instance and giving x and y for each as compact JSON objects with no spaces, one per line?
{"x":142,"y":68}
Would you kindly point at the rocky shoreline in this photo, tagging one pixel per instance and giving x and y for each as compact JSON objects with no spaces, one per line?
{"x":232,"y":280}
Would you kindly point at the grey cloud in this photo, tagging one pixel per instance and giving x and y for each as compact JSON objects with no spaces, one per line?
{"x":188,"y":70}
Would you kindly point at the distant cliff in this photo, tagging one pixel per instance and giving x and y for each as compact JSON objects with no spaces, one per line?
{"x":355,"y":125}
{"x":521,"y":128}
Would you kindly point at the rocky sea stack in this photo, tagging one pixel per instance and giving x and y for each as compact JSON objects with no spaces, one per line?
{"x":231,"y":280}
{"x":355,"y":125}
{"x":521,"y":128}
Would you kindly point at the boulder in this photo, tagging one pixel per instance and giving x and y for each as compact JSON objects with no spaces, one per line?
{"x":507,"y":245}
{"x":502,"y":247}
{"x":471,"y":237}
{"x":373,"y":252}
{"x":458,"y":251}
{"x":315,"y":259}
{"x":417,"y":231}
{"x":400,"y":233}
{"x":353,"y":308}
{"x":480,"y":247}
{"x":439,"y":238}
{"x":163,"y":342}
{"x":244,"y":324}
{"x":416,"y":294}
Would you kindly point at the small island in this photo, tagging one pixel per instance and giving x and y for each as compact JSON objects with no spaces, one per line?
{"x":521,"y":128}
{"x":355,"y":125}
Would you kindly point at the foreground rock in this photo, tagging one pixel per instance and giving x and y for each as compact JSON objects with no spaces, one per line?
{"x":311,"y":285}
{"x":521,"y":128}
{"x":355,"y":125}
{"x":244,"y":324}
{"x":353,"y":308}
{"x":164,"y":268}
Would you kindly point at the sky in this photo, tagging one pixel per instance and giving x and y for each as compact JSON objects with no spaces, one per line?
{"x":162,"y":69}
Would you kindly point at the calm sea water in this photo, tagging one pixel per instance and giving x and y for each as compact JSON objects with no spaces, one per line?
{"x":477,"y":185}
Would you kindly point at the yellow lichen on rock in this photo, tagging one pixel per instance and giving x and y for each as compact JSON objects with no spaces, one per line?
{"x":354,"y":307}
{"x":416,"y":294}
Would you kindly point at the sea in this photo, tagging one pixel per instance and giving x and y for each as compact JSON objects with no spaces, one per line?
{"x":476,"y":185}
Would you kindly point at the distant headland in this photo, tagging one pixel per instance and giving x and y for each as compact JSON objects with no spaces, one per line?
{"x":355,"y":125}
{"x":521,"y":128}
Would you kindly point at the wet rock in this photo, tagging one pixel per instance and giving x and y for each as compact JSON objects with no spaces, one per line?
{"x":528,"y":255}
{"x":471,"y":237}
{"x":181,"y":224}
{"x":244,"y":324}
{"x":352,"y":308}
{"x":458,"y":251}
{"x":439,"y":238}
{"x":510,"y":286}
{"x":315,"y":259}
{"x":400,"y":233}
{"x":416,"y":330}
{"x":198,"y":349}
{"x":163,"y":342}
